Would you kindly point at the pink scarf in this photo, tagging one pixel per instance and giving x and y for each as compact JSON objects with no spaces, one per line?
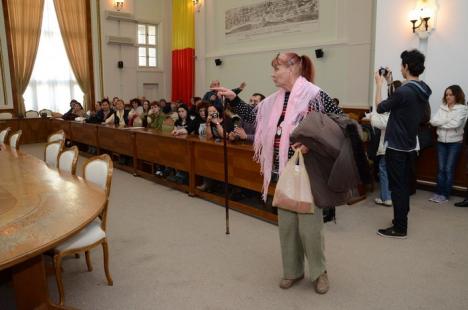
{"x":268,"y":113}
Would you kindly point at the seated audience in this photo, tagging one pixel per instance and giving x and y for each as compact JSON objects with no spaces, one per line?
{"x":214,"y":123}
{"x":135,"y":113}
{"x":105,"y":112}
{"x":200,"y":118}
{"x":450,"y":121}
{"x":255,"y":99}
{"x":194,"y":101}
{"x":165,"y":106}
{"x":173,"y":111}
{"x":119,"y":116}
{"x":183,"y":125}
{"x":155,"y":117}
{"x":91,"y":114}
{"x":76,"y":111}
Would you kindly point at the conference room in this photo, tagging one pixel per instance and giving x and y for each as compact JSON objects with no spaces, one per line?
{"x":201,"y":154}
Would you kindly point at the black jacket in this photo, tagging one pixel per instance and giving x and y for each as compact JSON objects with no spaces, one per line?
{"x":409,"y":108}
{"x":116,"y":118}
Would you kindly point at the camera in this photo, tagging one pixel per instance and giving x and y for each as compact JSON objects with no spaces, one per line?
{"x":214,"y":115}
{"x":383,"y":71}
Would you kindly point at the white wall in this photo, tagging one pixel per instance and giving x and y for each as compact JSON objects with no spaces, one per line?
{"x":132,"y":81}
{"x":447,"y":47}
{"x":345,"y":38}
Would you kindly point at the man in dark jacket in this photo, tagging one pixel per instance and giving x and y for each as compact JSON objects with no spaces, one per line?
{"x":408,"y":107}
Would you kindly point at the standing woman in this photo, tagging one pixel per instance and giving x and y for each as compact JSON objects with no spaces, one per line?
{"x":450,"y":121}
{"x":276,"y":117}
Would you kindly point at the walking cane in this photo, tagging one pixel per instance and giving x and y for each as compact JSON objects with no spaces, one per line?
{"x":226,"y":185}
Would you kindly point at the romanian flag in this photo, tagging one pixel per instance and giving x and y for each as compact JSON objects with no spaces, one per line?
{"x":183,"y":50}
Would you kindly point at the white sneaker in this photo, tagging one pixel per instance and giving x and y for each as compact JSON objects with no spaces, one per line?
{"x":434,"y":198}
{"x":388,"y":203}
{"x":441,"y":199}
{"x":378,"y":201}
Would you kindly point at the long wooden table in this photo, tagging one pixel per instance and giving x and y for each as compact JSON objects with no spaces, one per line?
{"x":39,"y":209}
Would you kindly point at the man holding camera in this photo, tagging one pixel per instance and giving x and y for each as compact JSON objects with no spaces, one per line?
{"x":408,"y":107}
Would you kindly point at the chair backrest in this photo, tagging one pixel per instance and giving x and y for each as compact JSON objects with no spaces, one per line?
{"x":98,"y":170}
{"x":6,"y":115}
{"x":51,"y":153}
{"x":32,"y":114}
{"x":47,"y":111}
{"x":4,"y":134}
{"x":15,"y":139}
{"x":57,"y":136}
{"x":67,"y":160}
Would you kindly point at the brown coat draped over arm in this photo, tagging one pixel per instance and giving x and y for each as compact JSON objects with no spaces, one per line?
{"x":330,"y":162}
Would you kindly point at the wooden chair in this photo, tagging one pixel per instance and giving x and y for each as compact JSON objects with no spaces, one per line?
{"x":56,"y":136}
{"x":4,"y":134}
{"x":15,"y":140}
{"x":32,"y":114}
{"x":96,"y":170}
{"x":46,"y":111}
{"x":52,"y":151}
{"x":67,"y":160}
{"x":6,"y":115}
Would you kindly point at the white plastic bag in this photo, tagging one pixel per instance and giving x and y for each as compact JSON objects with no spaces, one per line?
{"x":293,"y":188}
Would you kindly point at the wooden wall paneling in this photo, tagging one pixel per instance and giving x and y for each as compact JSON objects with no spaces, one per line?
{"x":84,"y":133}
{"x":55,"y":124}
{"x":116,"y":140}
{"x":192,"y":175}
{"x":163,"y":149}
{"x":34,"y":130}
{"x":426,"y":166}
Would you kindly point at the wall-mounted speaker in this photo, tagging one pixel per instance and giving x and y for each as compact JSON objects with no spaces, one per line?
{"x":120,"y":64}
{"x":319,"y":53}
{"x":218,"y":62}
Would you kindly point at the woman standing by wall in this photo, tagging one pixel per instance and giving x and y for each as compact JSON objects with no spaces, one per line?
{"x":450,"y":121}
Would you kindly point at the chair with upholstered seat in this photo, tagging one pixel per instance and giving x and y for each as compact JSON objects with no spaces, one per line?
{"x":97,"y":170}
{"x":6,"y":115}
{"x":15,"y":140}
{"x":46,"y":111}
{"x":56,"y":136}
{"x":32,"y":114}
{"x":51,"y":153}
{"x":67,"y":160}
{"x":4,"y":135}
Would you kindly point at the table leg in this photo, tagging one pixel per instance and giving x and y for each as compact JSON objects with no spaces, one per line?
{"x":30,"y":283}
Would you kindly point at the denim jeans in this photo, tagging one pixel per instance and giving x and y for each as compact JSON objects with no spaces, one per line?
{"x":385,"y":193}
{"x":447,"y":158}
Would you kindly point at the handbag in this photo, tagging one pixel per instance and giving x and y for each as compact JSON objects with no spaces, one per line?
{"x":293,"y":188}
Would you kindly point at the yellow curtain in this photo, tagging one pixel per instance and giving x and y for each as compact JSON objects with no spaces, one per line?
{"x":25,"y":22}
{"x":73,"y":21}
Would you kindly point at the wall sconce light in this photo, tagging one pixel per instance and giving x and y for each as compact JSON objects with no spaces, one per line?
{"x":422,"y":19}
{"x":196,"y":5}
{"x":118,"y":4}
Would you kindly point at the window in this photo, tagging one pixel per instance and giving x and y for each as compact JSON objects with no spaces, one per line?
{"x":52,"y":84}
{"x":147,"y":45}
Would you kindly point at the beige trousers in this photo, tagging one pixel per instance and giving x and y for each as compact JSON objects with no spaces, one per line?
{"x":301,"y":234}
